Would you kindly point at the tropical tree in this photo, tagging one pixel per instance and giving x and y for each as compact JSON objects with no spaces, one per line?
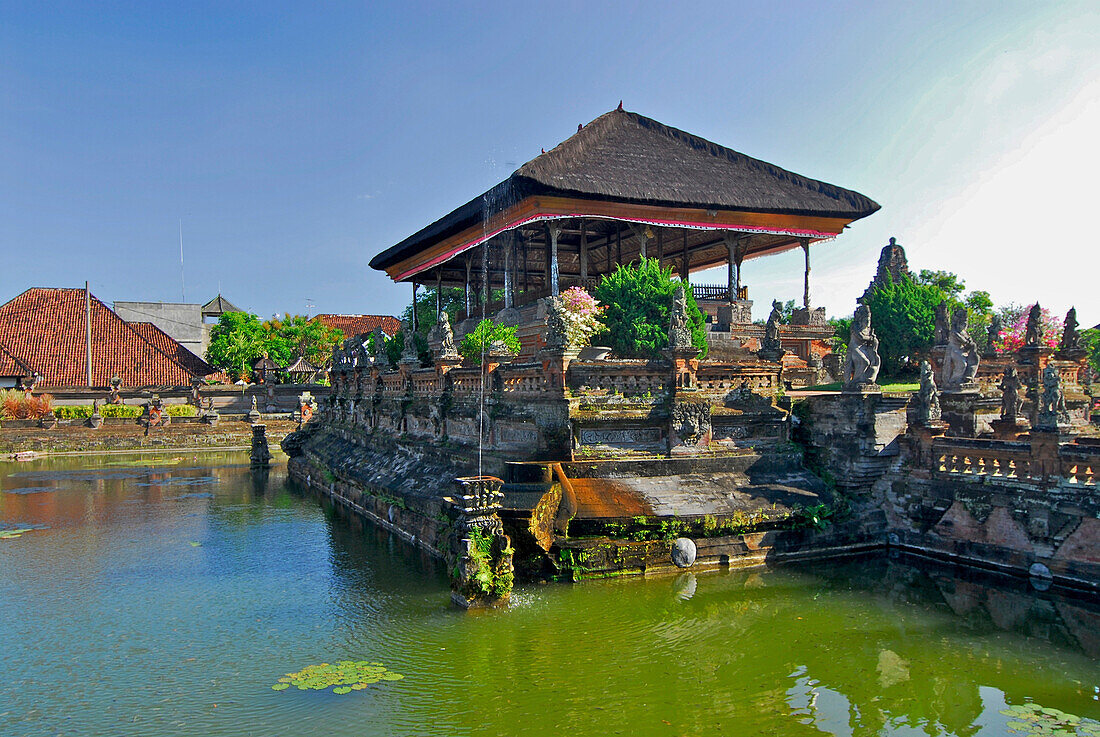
{"x":236,"y":342}
{"x":637,"y":299}
{"x":298,"y":335}
{"x":481,"y":339}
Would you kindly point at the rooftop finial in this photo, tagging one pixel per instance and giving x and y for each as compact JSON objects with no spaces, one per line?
{"x":579,"y":126}
{"x":620,"y":105}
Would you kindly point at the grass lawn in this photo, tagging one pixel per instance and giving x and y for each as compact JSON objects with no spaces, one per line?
{"x":837,"y":386}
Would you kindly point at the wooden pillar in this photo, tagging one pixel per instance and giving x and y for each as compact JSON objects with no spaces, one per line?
{"x":806,"y":282}
{"x":484,"y":296}
{"x":438,"y":291}
{"x":554,"y":230}
{"x":584,"y":255}
{"x":468,"y":286}
{"x":643,"y":241}
{"x":687,"y":260}
{"x":526,"y":287}
{"x":660,"y":246}
{"x":414,"y":307}
{"x":619,"y":245}
{"x":731,"y":280}
{"x":508,"y":272}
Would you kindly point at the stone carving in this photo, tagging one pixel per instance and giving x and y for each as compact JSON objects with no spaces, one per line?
{"x":770,"y":347}
{"x":557,"y":338}
{"x":928,"y":398}
{"x":942,"y":330}
{"x":1052,"y":410}
{"x":380,"y":358}
{"x":960,"y":361}
{"x":691,"y":421}
{"x":442,"y":338}
{"x":1012,"y":398}
{"x":892,"y":265}
{"x":114,"y":396}
{"x":995,"y":328}
{"x":1033,"y":334}
{"x":260,"y":455}
{"x":679,"y":335}
{"x":1071,"y":338}
{"x":862,"y":364}
{"x":408,"y":350}
{"x":633,"y":436}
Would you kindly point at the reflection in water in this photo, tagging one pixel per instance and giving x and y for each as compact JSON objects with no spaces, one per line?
{"x":166,"y":597}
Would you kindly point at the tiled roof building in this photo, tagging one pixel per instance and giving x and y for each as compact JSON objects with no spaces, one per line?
{"x":356,"y":324}
{"x":44,"y":330}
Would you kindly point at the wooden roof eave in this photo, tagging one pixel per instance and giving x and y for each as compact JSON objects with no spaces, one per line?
{"x":533,"y":209}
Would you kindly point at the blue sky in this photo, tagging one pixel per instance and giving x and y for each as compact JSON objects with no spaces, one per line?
{"x":295,"y":141}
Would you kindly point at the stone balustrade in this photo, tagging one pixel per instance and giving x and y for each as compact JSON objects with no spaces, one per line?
{"x":522,"y":379}
{"x":1038,"y":459}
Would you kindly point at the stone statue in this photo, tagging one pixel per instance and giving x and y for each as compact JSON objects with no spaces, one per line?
{"x":771,"y":349}
{"x":862,"y":364}
{"x":445,"y":336}
{"x":928,"y":398}
{"x":1071,"y":338}
{"x":1012,"y":398}
{"x":942,"y":327}
{"x":557,"y":337}
{"x":381,"y":359}
{"x":408,"y":350}
{"x":254,"y":408}
{"x":1052,"y":410}
{"x":1033,"y":334}
{"x":995,"y":328}
{"x":960,"y":361}
{"x":95,"y":406}
{"x":679,"y":335}
{"x":337,"y":357}
{"x":114,"y":396}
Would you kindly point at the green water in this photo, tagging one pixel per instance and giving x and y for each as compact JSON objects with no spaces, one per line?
{"x":167,"y":597}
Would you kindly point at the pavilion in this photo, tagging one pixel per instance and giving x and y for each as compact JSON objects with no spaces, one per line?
{"x":622,"y":187}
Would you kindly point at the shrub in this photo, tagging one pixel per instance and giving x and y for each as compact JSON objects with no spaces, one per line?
{"x":637,"y":300}
{"x":582,"y":316}
{"x":17,"y":405}
{"x":480,"y":340}
{"x":73,"y":411}
{"x":120,"y":410}
{"x":903,"y":315}
{"x":182,"y":410}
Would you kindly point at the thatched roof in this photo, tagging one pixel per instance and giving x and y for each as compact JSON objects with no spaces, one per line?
{"x":301,"y":366}
{"x":625,"y":157}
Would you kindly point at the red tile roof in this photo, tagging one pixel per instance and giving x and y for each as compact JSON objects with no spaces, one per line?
{"x":12,"y":366}
{"x":356,"y":324}
{"x":167,"y":344}
{"x":44,"y":328}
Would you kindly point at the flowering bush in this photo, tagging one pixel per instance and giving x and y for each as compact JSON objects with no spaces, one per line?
{"x":582,"y":316}
{"x":1011,"y":338}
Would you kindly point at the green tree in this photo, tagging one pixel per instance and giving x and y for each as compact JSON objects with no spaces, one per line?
{"x":236,"y":342}
{"x":1090,"y":341}
{"x":637,"y":300}
{"x":904,"y":317}
{"x":487,"y":332}
{"x":453,"y":299}
{"x":947,"y":282}
{"x":298,"y":335}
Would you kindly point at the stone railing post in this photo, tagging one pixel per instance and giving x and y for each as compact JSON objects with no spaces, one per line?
{"x":480,"y":556}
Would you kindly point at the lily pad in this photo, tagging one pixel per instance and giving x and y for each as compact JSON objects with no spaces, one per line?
{"x":343,"y":676}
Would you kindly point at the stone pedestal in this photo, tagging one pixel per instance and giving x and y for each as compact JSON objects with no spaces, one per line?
{"x":738,"y":312}
{"x":260,"y":455}
{"x":480,"y":559}
{"x":1009,"y":429}
{"x":960,"y":411}
{"x":921,"y":436}
{"x":685,"y":366}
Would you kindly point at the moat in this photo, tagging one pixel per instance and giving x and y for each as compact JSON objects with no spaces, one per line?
{"x":166,"y":595}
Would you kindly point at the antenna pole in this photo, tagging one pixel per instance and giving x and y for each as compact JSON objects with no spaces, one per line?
{"x":88,"y":328}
